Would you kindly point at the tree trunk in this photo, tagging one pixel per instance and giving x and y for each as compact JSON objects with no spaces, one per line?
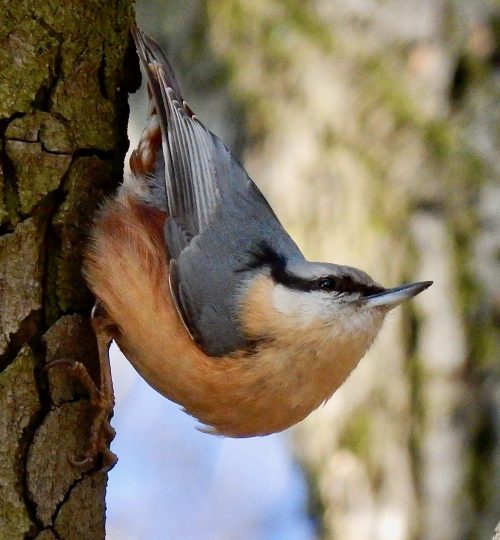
{"x":63,"y":119}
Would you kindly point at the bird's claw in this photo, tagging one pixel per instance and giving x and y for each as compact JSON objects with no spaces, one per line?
{"x":101,"y":399}
{"x":101,"y":431}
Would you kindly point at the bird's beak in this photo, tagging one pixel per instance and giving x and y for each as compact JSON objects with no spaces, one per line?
{"x":390,"y":298}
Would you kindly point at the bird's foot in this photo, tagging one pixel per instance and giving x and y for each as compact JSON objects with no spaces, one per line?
{"x":101,"y":431}
{"x":101,"y":399}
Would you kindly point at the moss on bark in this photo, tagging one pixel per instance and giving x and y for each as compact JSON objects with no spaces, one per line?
{"x":66,"y":73}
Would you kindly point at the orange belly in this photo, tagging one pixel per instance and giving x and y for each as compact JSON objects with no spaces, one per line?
{"x":274,"y":387}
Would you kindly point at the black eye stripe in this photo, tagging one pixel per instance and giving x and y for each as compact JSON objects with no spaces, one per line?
{"x":333,"y":284}
{"x":264,"y":255}
{"x":347,"y":284}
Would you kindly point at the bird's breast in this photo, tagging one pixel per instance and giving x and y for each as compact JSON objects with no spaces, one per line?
{"x":277,"y":384}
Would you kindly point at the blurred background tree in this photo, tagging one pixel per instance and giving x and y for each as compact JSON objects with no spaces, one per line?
{"x":372,"y":125}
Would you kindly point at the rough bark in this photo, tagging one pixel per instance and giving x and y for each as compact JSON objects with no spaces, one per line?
{"x":63,"y":116}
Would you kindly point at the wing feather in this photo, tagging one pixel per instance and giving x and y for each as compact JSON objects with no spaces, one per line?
{"x":217,"y":216}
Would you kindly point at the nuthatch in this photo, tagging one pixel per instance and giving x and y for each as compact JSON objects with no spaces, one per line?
{"x":205,"y":292}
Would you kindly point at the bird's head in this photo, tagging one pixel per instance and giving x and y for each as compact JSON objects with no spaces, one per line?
{"x":321,"y":300}
{"x":342,"y":296}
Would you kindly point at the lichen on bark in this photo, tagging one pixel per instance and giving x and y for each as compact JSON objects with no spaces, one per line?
{"x":66,"y":72}
{"x":19,"y":396}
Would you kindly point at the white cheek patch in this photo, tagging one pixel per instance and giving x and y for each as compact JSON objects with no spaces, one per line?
{"x":307,"y":308}
{"x":304,"y":307}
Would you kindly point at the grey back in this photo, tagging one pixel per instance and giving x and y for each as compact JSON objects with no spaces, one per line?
{"x":218,"y":218}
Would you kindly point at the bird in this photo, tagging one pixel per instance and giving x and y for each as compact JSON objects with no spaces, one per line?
{"x":205,"y":292}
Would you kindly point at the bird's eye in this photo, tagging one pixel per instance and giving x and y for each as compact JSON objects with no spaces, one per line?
{"x":326,"y":284}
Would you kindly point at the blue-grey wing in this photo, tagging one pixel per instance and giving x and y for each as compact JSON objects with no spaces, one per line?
{"x":218,"y":218}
